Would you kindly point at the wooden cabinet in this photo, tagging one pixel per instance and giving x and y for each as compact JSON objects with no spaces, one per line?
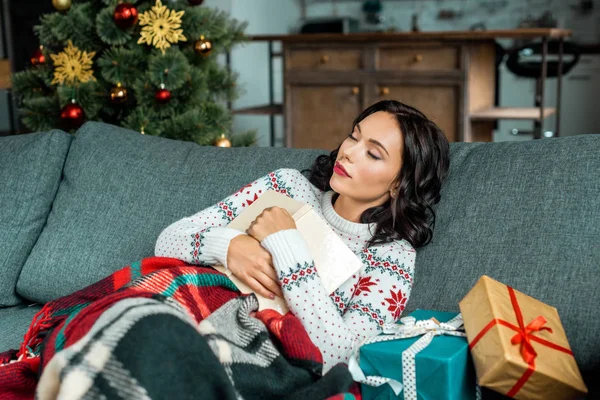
{"x":439,"y":103}
{"x":324,"y":59}
{"x":449,"y":76}
{"x":418,"y":58}
{"x":322,"y":114}
{"x":327,"y":87}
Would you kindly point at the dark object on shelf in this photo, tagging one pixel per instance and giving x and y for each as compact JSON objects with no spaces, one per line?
{"x":330,"y":25}
{"x":414,"y":26}
{"x":526,"y":61}
{"x":584,"y":6}
{"x":449,"y":14}
{"x":372,"y":10}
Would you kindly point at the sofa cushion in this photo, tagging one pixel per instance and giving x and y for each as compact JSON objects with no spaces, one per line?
{"x":526,"y":214}
{"x":14,"y":322}
{"x":120,"y":190}
{"x":30,"y":171}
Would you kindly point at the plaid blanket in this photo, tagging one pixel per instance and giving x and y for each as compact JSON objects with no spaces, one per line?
{"x":153,"y":330}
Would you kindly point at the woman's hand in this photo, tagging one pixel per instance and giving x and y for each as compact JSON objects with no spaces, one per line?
{"x":271,"y":220}
{"x":252,"y":264}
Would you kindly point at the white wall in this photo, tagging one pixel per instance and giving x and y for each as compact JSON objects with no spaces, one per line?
{"x":252,"y":61}
{"x":496,"y":14}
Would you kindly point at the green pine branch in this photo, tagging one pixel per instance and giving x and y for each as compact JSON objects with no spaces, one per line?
{"x":199,"y":85}
{"x":170,"y":68}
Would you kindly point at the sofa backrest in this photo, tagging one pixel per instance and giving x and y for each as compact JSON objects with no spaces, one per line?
{"x":30,"y":169}
{"x":528,"y":215}
{"x":120,"y":189}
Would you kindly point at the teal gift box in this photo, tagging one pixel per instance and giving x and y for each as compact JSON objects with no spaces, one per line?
{"x":444,"y":369}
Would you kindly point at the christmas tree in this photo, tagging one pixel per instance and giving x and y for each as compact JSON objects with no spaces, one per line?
{"x":150,"y":66}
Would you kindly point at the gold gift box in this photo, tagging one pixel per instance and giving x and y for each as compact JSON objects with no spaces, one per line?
{"x":518,"y":344}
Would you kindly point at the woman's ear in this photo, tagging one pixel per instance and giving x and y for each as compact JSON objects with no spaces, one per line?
{"x":394,"y":189}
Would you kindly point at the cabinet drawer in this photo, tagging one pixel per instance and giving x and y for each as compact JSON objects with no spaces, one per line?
{"x":418,"y":58}
{"x":439,"y":103}
{"x":320,"y":116}
{"x":324,"y":59}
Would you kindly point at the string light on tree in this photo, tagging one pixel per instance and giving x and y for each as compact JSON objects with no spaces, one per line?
{"x":125,"y":15}
{"x":62,"y":5}
{"x":203,"y":46}
{"x":38,"y":57}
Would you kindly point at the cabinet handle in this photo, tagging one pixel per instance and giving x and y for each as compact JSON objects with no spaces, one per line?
{"x":418,"y":58}
{"x":384,"y":91}
{"x":324,"y":59}
{"x":355,"y":90}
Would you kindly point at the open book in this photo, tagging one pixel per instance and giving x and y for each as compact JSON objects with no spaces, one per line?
{"x":334,"y":261}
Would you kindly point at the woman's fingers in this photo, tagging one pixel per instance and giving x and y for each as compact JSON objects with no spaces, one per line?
{"x":271,"y":282}
{"x":259,"y":288}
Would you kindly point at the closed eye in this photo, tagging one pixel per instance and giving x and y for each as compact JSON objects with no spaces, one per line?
{"x":373,"y":156}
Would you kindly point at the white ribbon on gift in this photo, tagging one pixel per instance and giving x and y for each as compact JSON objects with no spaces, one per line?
{"x":409,"y":328}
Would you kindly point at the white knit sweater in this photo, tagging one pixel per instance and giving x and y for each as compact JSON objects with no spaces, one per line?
{"x":336,"y":322}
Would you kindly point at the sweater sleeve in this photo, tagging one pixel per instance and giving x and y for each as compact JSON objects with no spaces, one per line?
{"x":204,"y":238}
{"x":378,"y":297}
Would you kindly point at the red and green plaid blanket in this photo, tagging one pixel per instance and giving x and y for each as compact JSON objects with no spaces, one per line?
{"x":69,"y":328}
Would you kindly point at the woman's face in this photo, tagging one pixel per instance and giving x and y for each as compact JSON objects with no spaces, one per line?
{"x":369,"y":160}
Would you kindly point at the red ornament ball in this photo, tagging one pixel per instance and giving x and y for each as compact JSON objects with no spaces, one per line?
{"x":162,"y":95}
{"x":38,"y":57}
{"x":125,"y":16}
{"x":195,"y":2}
{"x":72,"y":116}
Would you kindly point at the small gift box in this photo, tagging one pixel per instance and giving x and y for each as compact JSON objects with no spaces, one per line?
{"x":518,"y":344}
{"x":426,"y":356}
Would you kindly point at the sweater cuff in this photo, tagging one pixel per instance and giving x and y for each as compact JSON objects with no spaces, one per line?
{"x":216,"y":242}
{"x":287,"y":248}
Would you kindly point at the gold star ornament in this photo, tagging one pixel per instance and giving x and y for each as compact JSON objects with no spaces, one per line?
{"x":72,"y":65}
{"x":161,"y":27}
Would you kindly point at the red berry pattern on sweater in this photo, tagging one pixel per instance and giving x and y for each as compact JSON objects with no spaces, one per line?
{"x":301,"y":274}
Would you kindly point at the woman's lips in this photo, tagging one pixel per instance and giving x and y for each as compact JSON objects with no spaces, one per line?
{"x":339,"y":169}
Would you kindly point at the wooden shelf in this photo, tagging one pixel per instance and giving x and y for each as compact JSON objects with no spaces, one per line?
{"x":261,"y":110}
{"x":5,"y":74}
{"x":525,"y":113}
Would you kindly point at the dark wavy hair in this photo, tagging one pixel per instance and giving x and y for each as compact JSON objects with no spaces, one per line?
{"x":409,"y":215}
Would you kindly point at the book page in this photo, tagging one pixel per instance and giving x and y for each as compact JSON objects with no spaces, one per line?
{"x":334,"y":261}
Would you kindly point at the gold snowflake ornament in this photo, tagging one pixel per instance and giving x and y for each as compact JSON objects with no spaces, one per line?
{"x":72,"y":65}
{"x":161,"y":27}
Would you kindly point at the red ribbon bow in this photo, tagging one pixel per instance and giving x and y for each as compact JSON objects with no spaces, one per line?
{"x":524,"y":337}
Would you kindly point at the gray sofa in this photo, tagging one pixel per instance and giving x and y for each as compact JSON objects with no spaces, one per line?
{"x":76,"y":208}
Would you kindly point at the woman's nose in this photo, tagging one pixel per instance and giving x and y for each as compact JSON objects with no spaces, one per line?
{"x":348,"y":152}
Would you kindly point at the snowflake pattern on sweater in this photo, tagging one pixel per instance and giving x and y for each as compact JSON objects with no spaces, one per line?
{"x":336,"y":322}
